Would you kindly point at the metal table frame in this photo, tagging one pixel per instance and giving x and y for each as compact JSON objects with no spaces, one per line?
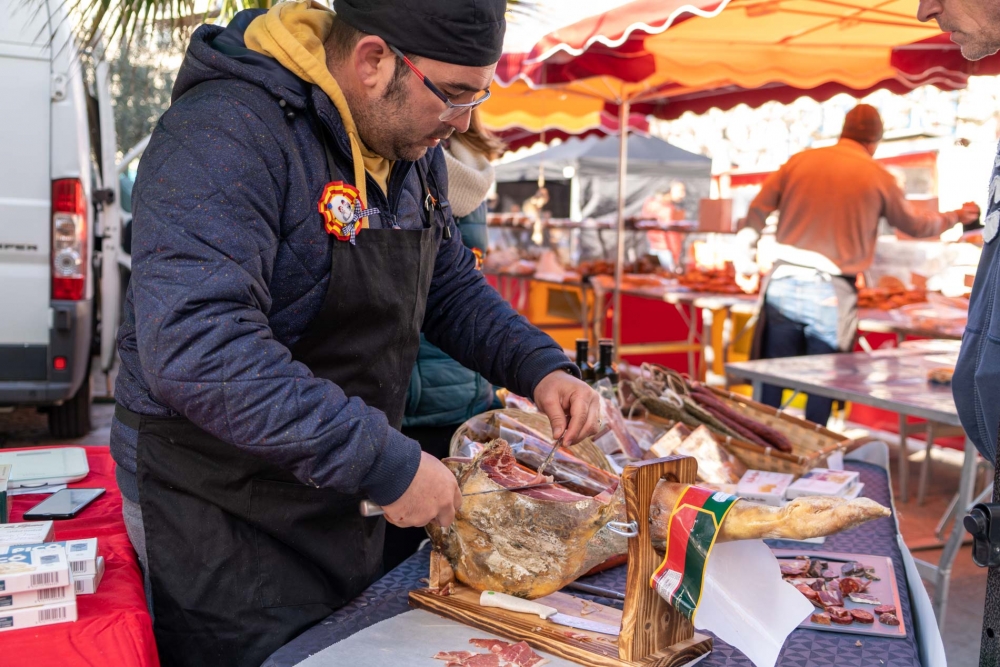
{"x":688,"y":305}
{"x":505,"y":286}
{"x":758,"y":374}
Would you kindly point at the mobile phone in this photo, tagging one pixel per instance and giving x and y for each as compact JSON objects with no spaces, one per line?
{"x":64,"y":504}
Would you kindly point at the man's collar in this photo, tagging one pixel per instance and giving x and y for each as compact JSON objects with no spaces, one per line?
{"x":854,"y":145}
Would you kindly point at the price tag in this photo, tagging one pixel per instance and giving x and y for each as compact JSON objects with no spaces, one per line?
{"x":835,"y":461}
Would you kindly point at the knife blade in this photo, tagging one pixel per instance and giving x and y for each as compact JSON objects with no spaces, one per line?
{"x":367,"y":508}
{"x":511,"y":603}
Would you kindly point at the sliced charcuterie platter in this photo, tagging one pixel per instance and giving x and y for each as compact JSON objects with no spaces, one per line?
{"x":853,"y":593}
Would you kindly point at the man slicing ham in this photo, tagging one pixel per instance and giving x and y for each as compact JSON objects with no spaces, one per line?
{"x":292,"y":238}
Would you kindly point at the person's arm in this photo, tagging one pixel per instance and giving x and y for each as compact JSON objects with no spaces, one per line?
{"x":918,"y":222}
{"x":763,"y":205}
{"x":208,"y":202}
{"x":470,"y":321}
{"x":766,"y":202}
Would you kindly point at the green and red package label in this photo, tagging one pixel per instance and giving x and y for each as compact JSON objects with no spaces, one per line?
{"x":691,"y":531}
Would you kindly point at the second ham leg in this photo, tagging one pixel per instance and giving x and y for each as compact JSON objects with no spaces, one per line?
{"x":803,"y":518}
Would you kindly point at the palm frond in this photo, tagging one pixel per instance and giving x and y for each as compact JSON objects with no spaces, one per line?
{"x":110,"y":22}
{"x":113,"y":21}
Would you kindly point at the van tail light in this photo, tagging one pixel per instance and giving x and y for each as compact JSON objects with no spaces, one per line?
{"x":69,"y":240}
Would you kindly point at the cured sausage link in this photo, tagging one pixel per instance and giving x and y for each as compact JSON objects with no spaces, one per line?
{"x":741,"y":431}
{"x":768,"y":434}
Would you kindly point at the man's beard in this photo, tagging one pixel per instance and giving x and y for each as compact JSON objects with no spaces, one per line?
{"x":979,"y":49}
{"x":386,"y":128}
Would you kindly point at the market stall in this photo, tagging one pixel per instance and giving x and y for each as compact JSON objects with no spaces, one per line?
{"x":668,"y":58}
{"x":591,"y":167}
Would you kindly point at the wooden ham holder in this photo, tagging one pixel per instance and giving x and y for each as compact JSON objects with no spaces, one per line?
{"x":653,"y":634}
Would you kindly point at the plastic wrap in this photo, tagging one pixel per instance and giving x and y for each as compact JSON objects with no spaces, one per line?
{"x":643,"y":433}
{"x":469,"y":448}
{"x":611,"y":415}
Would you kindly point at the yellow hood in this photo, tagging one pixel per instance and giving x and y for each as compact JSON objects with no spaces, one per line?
{"x":293,"y":33}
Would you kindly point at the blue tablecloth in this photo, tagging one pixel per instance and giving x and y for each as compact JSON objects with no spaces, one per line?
{"x":803,"y":648}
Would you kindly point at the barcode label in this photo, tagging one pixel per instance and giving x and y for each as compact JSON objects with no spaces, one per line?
{"x":667,"y":584}
{"x":52,"y":593}
{"x":56,"y":614}
{"x":44,"y":579}
{"x":78,"y":566}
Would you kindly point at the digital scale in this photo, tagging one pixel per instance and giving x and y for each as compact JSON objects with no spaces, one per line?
{"x":45,"y":467}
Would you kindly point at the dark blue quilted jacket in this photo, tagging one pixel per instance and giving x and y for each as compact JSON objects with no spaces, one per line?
{"x":230,"y":263}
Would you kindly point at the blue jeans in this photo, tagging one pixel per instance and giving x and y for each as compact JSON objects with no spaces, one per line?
{"x":800,"y":319}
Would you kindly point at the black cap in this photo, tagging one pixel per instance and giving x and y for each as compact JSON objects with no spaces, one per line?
{"x":460,"y":32}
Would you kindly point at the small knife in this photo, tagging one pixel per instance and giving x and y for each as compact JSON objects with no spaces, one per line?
{"x":369,"y":508}
{"x":511,"y":603}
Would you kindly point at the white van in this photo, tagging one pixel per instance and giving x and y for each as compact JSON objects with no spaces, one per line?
{"x":54,"y":215}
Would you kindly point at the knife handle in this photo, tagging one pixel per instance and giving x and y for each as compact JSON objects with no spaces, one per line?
{"x":368,"y":509}
{"x":511,"y":603}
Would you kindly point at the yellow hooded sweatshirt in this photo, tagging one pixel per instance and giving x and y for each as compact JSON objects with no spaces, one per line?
{"x":293,"y":33}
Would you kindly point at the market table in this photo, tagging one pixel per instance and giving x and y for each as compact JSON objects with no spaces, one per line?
{"x":687,"y":302}
{"x":899,"y":325}
{"x":803,"y":648}
{"x":895,"y":380}
{"x":114,"y":626}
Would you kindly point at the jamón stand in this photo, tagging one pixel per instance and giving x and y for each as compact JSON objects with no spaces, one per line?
{"x":653,"y":634}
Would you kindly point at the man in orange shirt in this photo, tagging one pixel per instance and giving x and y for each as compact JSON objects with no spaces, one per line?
{"x":830,"y":202}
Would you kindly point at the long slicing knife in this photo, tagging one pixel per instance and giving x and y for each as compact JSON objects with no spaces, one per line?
{"x":551,"y":614}
{"x":370,"y":509}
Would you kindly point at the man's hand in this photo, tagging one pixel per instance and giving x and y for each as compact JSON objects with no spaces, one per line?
{"x":560,"y":394}
{"x":433,"y":495}
{"x":968,"y":213}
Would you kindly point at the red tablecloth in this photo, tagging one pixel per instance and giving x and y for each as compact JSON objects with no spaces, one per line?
{"x":114,"y":627}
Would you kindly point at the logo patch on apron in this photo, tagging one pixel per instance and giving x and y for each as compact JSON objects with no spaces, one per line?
{"x":342,"y":210}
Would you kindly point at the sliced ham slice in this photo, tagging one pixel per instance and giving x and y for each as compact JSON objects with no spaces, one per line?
{"x":484,"y":660}
{"x":521,"y":655}
{"x":494,"y":645}
{"x":503,"y":468}
{"x":454,"y":657}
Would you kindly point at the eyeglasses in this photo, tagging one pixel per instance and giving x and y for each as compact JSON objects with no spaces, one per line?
{"x":454,"y":110}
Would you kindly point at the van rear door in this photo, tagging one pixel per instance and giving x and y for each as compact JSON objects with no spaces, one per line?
{"x":25,"y":187}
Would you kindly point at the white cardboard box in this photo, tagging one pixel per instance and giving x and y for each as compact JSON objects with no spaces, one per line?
{"x":36,"y":598}
{"x":88,"y":585}
{"x":81,"y":554}
{"x":822,"y":482}
{"x":29,"y":532}
{"x":30,"y":617}
{"x":33,"y":570}
{"x":764,"y":486}
{"x":4,"y":506}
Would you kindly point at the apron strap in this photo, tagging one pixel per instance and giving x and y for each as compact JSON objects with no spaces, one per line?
{"x":429,"y":202}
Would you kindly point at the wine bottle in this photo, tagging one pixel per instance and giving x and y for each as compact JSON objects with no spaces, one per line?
{"x":605,"y":366}
{"x":583,"y":360}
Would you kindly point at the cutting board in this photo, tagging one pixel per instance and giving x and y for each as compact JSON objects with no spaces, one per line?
{"x":886,"y":590}
{"x":410,"y":639}
{"x":580,"y":646}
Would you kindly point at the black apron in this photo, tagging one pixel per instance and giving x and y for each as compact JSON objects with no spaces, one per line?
{"x":242,"y":556}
